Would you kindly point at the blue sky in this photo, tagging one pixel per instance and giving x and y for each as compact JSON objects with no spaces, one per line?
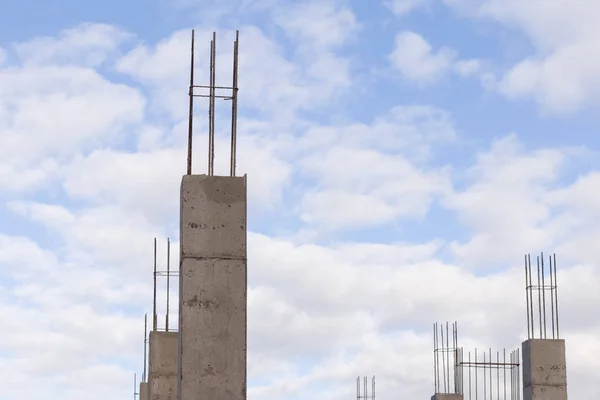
{"x":402,"y":156}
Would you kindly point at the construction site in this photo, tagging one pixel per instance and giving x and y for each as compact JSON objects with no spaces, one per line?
{"x":202,"y":353}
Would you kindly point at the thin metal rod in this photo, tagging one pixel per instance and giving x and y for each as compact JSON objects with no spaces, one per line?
{"x":447,"y":356}
{"x":191,"y":110}
{"x":491,"y":385}
{"x":531,"y":298}
{"x":539,"y":296}
{"x":498,"y":376}
{"x":504,"y":360}
{"x":484,"y":378}
{"x":134,"y":386}
{"x":154,"y":315}
{"x":373,"y":394}
{"x":527,"y":297}
{"x":443,"y":359}
{"x":358,"y":388}
{"x":476,"y":378}
{"x":552,"y":297}
{"x":168,"y":282}
{"x":210,"y":107}
{"x":556,"y":297}
{"x":211,"y":132}
{"x":234,"y":95}
{"x":435,"y":356}
{"x":145,"y":341}
{"x":544,"y":296}
{"x":365,"y":387}
{"x":470,"y":377}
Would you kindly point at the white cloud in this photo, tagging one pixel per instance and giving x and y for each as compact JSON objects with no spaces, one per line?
{"x":87,"y":44}
{"x":404,"y":7}
{"x":417,"y":61}
{"x":563,"y":73}
{"x":467,"y":67}
{"x":3,"y":56}
{"x":318,"y":23}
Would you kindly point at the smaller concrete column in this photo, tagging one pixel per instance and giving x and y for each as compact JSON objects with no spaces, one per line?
{"x":544,"y":369}
{"x":163,"y":374}
{"x":447,"y":396}
{"x":144,"y":391}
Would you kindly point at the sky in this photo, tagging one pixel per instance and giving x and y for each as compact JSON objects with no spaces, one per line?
{"x":402,"y":157}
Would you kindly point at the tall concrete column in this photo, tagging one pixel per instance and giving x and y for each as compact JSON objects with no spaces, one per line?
{"x":544,"y":369}
{"x":213,"y":288}
{"x":447,"y":396}
{"x":162,"y":379}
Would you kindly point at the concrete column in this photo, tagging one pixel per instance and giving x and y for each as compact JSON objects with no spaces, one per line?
{"x":162,"y":378}
{"x":447,"y":396}
{"x":544,"y":369}
{"x":213,"y":288}
{"x":144,"y":391}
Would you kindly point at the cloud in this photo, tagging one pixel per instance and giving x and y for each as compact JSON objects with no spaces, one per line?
{"x":416,"y":60}
{"x":562,"y":75}
{"x":88,"y":44}
{"x":405,"y":7}
{"x":318,"y":23}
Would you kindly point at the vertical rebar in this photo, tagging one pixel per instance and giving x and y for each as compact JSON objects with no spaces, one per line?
{"x":531,"y":299}
{"x":145,"y":341}
{"x":435,"y":363}
{"x":504,"y":370}
{"x":234,"y":95}
{"x":443,"y":359}
{"x":484,"y":378}
{"x":498,"y":375}
{"x":552,"y":297}
{"x":539,"y":296}
{"x":134,"y":385}
{"x":447,"y":352}
{"x":476,"y":378}
{"x":544,"y":296}
{"x":527,"y":296}
{"x":154,"y":315}
{"x":365,"y":388}
{"x":556,"y":297}
{"x":191,"y":111}
{"x":358,"y":388}
{"x":491,"y":383}
{"x":373,"y":390}
{"x":211,"y":101}
{"x":168,"y":282}
{"x":470,"y":390}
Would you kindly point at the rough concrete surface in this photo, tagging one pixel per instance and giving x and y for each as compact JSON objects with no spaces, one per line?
{"x":213,"y":217}
{"x":544,"y":362}
{"x":446,"y":396}
{"x":544,"y":369}
{"x":144,"y":391}
{"x":213,"y":288}
{"x":163,"y":365}
{"x":545,"y":393}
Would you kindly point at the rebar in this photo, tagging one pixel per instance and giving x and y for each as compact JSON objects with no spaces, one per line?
{"x":541,"y":287}
{"x":493,"y":386}
{"x":212,"y":95}
{"x":364,"y":394}
{"x":443,"y":380}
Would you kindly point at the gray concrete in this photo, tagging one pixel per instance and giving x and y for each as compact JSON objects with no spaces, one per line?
{"x":144,"y":391}
{"x":446,"y":396}
{"x":544,"y":369}
{"x":162,"y":377}
{"x":213,"y":288}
